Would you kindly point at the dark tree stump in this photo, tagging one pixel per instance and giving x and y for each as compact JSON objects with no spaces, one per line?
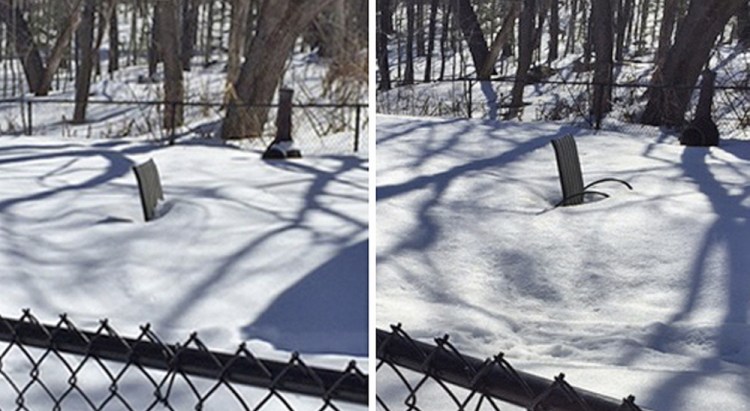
{"x":282,"y":146}
{"x":702,"y":131}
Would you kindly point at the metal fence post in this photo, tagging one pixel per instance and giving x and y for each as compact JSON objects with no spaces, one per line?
{"x":469,"y":104}
{"x":357,"y":127}
{"x":173,"y":123}
{"x":29,"y":126}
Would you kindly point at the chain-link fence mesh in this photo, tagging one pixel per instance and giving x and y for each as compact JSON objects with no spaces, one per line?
{"x":317,"y":128}
{"x":413,"y":375}
{"x":62,"y":367}
{"x":565,"y":101}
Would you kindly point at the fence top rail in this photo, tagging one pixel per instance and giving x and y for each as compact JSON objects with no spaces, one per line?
{"x":45,"y":100}
{"x":493,"y":377}
{"x":512,"y":79}
{"x":191,"y":358}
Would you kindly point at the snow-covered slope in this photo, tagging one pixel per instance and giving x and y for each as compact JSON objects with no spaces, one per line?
{"x":645,"y":292}
{"x":270,"y":252}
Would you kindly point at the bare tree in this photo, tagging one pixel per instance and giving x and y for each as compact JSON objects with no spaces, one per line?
{"x":38,"y":75}
{"x":525,"y":52}
{"x":280,"y":23}
{"x":384,"y":24}
{"x":189,"y":33}
{"x":468,"y":22}
{"x":554,"y":31}
{"x":85,"y":44}
{"x":58,"y":51}
{"x":114,"y":43}
{"x":570,"y":41}
{"x":501,"y":40}
{"x":237,"y":37}
{"x":674,"y":80}
{"x":668,"y":20}
{"x":624,"y":16}
{"x":169,"y":49}
{"x":431,"y":39}
{"x":409,"y":69}
{"x":601,"y":20}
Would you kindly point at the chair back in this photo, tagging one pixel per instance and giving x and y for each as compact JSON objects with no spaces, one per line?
{"x":569,"y":168}
{"x":149,"y":187}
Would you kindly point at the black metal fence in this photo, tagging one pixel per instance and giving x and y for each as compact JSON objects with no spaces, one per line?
{"x":317,"y":128}
{"x":62,"y":367}
{"x":413,"y":375}
{"x":555,"y":100}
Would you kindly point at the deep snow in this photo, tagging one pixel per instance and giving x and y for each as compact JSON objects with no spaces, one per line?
{"x":270,"y":252}
{"x":644,"y":293}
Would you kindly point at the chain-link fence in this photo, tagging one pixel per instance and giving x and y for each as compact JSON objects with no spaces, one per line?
{"x":62,"y":367}
{"x":317,"y":128}
{"x":413,"y":375}
{"x":556,"y":100}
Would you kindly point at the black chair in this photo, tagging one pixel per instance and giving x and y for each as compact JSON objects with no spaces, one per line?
{"x":149,"y":187}
{"x":571,"y":177}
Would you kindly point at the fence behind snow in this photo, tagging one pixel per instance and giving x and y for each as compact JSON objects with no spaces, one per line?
{"x":318,"y":128}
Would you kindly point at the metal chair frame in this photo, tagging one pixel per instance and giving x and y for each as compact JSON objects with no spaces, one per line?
{"x":571,"y":176}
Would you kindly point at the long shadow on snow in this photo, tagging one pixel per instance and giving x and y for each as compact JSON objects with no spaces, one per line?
{"x":325,"y":312}
{"x":118,"y":165}
{"x":731,"y":232}
{"x":312,"y":204}
{"x":439,"y":183}
{"x":428,"y":231}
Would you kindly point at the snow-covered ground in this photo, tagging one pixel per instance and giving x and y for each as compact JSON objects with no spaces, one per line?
{"x":644,"y":293}
{"x":244,"y":250}
{"x":272,"y":253}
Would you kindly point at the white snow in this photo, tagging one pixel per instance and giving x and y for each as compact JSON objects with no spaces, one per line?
{"x":272,"y":253}
{"x":644,"y":293}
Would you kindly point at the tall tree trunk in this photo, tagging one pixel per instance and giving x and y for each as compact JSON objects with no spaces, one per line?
{"x":743,"y":25}
{"x":280,"y":23}
{"x":189,"y":33}
{"x":501,"y":40}
{"x":26,"y":48}
{"x":448,"y":4}
{"x":58,"y":51}
{"x":525,"y":52}
{"x":154,"y":55}
{"x":419,"y":33}
{"x":685,"y":60}
{"x":554,"y":31}
{"x":114,"y":44}
{"x":645,"y":4}
{"x":543,"y":7}
{"x":382,"y":45}
{"x":106,"y":10}
{"x":467,"y":20}
{"x":169,"y":49}
{"x":431,"y":39}
{"x":85,"y":43}
{"x":621,"y":25}
{"x":209,"y":34}
{"x":409,"y":69}
{"x":601,"y":18}
{"x":665,"y":31}
{"x":237,"y":31}
{"x":387,"y":18}
{"x":572,"y":35}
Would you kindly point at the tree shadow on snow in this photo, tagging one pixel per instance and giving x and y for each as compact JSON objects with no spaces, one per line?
{"x":316,"y":202}
{"x":730,"y":233}
{"x":325,"y":312}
